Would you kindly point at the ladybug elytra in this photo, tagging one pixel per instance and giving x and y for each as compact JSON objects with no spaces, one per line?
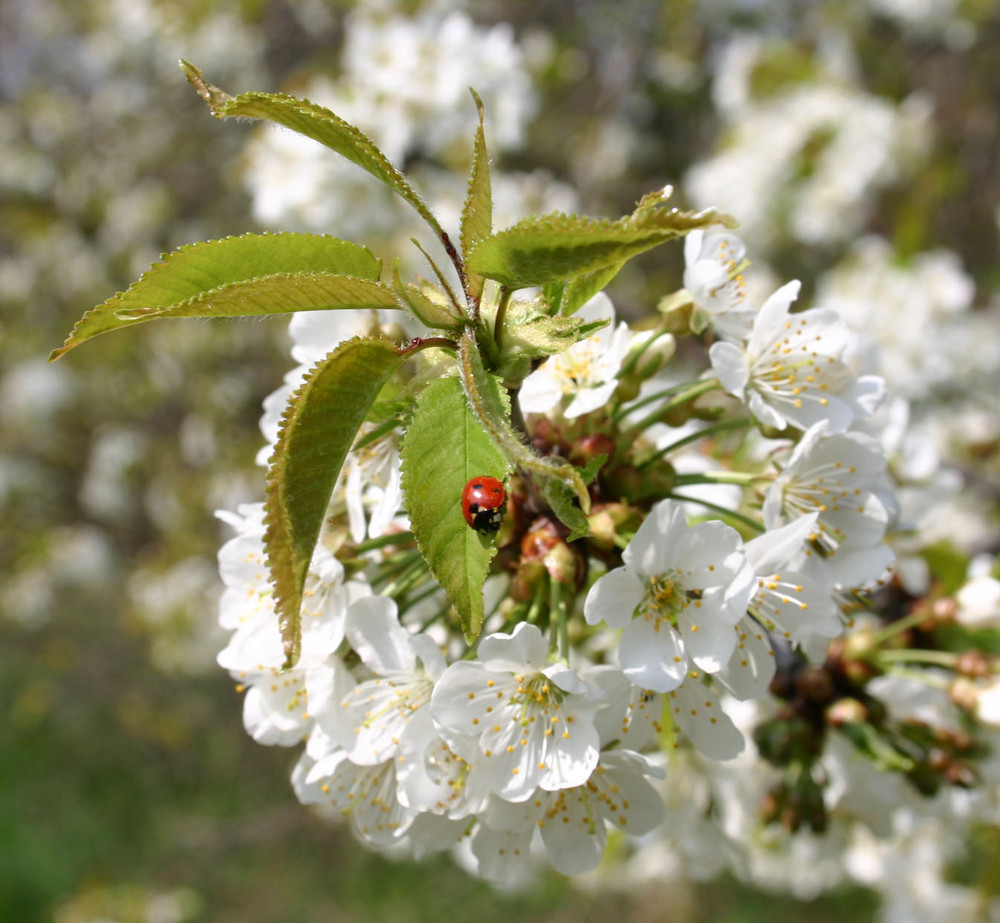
{"x":483,"y":504}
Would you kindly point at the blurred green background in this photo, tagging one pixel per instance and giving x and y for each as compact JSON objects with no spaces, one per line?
{"x":128,"y":788}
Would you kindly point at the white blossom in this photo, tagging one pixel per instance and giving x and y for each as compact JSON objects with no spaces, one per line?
{"x":365,"y":794}
{"x":586,"y":373}
{"x":842,"y":477}
{"x":280,"y":704}
{"x":387,"y":716}
{"x":713,"y":275}
{"x":677,"y":596}
{"x":521,"y":721}
{"x":696,"y":709}
{"x":792,"y":369}
{"x":796,"y":603}
{"x":979,"y":602}
{"x":571,"y":823}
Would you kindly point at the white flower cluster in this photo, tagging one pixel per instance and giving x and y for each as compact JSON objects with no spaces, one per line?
{"x":403,"y":80}
{"x":415,"y":751}
{"x":804,"y":163}
{"x":517,"y":753}
{"x":943,"y":360}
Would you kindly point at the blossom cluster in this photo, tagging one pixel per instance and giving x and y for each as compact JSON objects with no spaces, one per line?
{"x":404,"y":80}
{"x":606,"y":657}
{"x":852,"y":731}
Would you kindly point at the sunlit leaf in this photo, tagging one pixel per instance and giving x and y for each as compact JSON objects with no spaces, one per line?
{"x":317,"y":431}
{"x":253,"y":274}
{"x":489,"y":405}
{"x":477,"y":214}
{"x":314,"y":122}
{"x":444,"y":448}
{"x":558,"y":247}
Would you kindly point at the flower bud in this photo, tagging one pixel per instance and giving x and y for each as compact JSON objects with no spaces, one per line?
{"x":592,"y":446}
{"x":561,"y":563}
{"x":546,"y":436}
{"x":945,"y":609}
{"x":651,"y":350}
{"x":782,"y":685}
{"x":965,"y":694}
{"x":924,"y":779}
{"x":395,"y":332}
{"x":973,"y":663}
{"x":961,"y":776}
{"x":846,"y":711}
{"x":601,"y":530}
{"x":627,"y":389}
{"x":781,"y":742}
{"x":678,"y":415}
{"x":524,"y":583}
{"x":541,"y":537}
{"x":658,"y":480}
{"x":655,"y":356}
{"x":677,"y":309}
{"x":860,"y":645}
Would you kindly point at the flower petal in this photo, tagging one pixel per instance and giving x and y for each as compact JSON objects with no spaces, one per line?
{"x":652,"y":658}
{"x":613,"y":598}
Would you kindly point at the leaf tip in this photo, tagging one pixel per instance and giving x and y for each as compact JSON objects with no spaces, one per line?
{"x":471,"y":635}
{"x":211,"y":94}
{"x":480,"y":108}
{"x":727,"y":220}
{"x":292,"y":653}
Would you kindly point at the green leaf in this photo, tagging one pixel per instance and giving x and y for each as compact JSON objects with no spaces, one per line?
{"x":493,"y":413}
{"x":530,"y":334}
{"x":557,"y":247}
{"x":477,"y":215}
{"x":566,"y":506}
{"x":248,"y":275}
{"x":384,"y":417}
{"x":428,"y":303}
{"x":317,"y":431}
{"x":443,"y":448}
{"x":314,"y":122}
{"x":580,"y":289}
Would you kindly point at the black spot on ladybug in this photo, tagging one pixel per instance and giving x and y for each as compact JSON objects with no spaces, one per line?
{"x":483,"y":504}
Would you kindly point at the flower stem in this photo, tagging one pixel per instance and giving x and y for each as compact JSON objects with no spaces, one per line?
{"x":739,"y":517}
{"x":694,"y":390}
{"x":633,"y":360}
{"x":558,"y":617}
{"x":668,"y":730}
{"x":920,"y":676}
{"x":505,"y":294}
{"x":742,"y":478}
{"x":915,"y":655}
{"x":628,"y":408}
{"x":395,"y":538}
{"x":705,"y":433}
{"x":912,"y":620}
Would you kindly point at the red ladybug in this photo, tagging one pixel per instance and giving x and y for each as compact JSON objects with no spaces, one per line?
{"x":483,"y":504}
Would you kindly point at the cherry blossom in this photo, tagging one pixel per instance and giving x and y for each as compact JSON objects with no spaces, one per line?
{"x":521,"y":721}
{"x":713,"y":265}
{"x":842,"y":478}
{"x":678,"y":595}
{"x":586,"y":372}
{"x":792,"y":370}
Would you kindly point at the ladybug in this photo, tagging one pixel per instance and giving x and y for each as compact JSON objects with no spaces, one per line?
{"x":483,"y":504}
